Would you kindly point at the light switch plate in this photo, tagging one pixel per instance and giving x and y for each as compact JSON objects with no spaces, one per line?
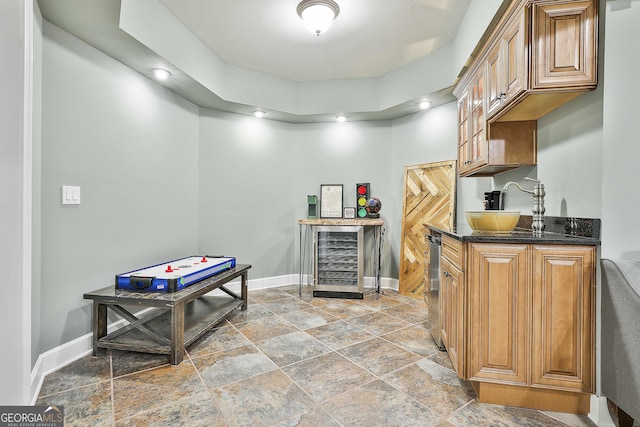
{"x":70,"y":195}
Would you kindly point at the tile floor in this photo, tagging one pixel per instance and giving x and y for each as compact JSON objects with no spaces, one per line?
{"x":289,"y":361}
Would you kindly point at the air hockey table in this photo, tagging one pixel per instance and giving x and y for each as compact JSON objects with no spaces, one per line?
{"x":174,"y":319}
{"x":172,"y":276}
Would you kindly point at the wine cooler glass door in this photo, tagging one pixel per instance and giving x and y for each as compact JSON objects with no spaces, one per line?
{"x":338,"y":258}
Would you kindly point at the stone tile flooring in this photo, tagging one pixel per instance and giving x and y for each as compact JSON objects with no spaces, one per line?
{"x":289,"y":361}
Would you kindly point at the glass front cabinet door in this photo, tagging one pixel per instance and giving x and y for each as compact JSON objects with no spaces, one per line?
{"x":338,"y":262}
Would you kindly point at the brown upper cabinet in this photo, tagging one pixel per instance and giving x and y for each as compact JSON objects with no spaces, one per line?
{"x":564,"y":54}
{"x":506,"y":63}
{"x":535,"y":57}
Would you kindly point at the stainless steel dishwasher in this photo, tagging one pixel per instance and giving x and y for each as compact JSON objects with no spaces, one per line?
{"x":432,"y":289}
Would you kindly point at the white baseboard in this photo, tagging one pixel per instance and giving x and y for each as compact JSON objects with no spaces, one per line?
{"x":388,"y":283}
{"x":56,"y":358}
{"x":59,"y":357}
{"x":599,"y":412}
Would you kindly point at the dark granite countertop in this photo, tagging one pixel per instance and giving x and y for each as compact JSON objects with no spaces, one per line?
{"x":558,"y":231}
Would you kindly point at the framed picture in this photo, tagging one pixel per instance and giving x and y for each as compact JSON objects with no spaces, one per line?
{"x":349,"y":212}
{"x":331,"y":201}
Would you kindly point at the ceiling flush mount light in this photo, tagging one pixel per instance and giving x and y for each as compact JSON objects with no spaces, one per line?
{"x":161,"y":73}
{"x":341,"y":118}
{"x":259,"y":113}
{"x":318,"y":15}
{"x":424,"y":105}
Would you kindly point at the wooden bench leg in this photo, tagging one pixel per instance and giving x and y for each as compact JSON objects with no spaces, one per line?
{"x":99,"y":320}
{"x":177,"y":334}
{"x":244,"y":292}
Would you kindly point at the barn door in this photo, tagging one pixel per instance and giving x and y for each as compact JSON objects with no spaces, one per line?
{"x":429,"y":198}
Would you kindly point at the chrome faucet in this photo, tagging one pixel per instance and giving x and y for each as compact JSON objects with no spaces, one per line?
{"x":538,"y":203}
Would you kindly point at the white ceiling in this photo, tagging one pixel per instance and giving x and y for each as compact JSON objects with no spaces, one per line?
{"x":368,"y":38}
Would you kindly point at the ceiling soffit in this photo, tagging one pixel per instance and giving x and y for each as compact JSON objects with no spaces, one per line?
{"x":144,"y":35}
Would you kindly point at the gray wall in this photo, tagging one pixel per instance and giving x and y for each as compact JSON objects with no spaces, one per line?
{"x":132,"y":147}
{"x":621,"y":150}
{"x":255,"y":176}
{"x":569,"y":161}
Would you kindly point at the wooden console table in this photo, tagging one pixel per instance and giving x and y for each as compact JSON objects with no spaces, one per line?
{"x":176,"y":320}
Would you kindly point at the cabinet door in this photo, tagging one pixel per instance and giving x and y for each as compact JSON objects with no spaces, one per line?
{"x":472,"y":141}
{"x":565,"y":48}
{"x":514,"y":47}
{"x":478,"y":153}
{"x":445,"y":321}
{"x":463,"y":132}
{"x":506,"y":65}
{"x":563,"y":318}
{"x":498,"y":292}
{"x":452,"y":312}
{"x":495,"y":78}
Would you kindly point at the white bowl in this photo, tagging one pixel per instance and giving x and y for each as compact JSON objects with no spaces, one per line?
{"x":495,"y":221}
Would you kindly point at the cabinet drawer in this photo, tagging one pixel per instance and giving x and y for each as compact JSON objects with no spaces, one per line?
{"x":452,"y":250}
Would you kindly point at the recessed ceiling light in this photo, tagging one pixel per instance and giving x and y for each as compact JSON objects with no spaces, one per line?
{"x":424,"y":105}
{"x":341,"y":118}
{"x":161,"y":73}
{"x":259,"y":113}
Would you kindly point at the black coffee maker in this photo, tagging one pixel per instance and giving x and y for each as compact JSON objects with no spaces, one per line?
{"x":493,"y":200}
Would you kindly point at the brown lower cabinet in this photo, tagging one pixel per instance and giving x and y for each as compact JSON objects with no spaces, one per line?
{"x":519,"y":323}
{"x":498,"y":294}
{"x":453,"y":313}
{"x":563,"y":318}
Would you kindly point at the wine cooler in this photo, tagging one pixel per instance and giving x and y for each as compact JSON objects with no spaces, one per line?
{"x":338,"y":262}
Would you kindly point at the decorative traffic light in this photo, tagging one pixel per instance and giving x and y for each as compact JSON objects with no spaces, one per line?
{"x":362,"y":195}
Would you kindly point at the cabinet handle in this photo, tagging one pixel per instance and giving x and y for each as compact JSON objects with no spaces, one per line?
{"x":500,"y":97}
{"x":446,"y":273}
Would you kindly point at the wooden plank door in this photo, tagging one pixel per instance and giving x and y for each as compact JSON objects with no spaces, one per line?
{"x":429,"y":198}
